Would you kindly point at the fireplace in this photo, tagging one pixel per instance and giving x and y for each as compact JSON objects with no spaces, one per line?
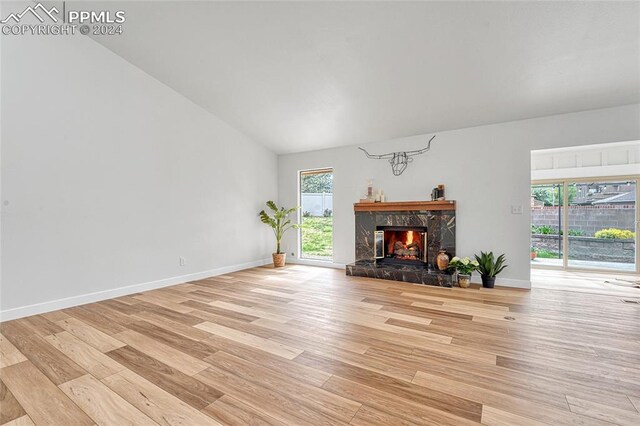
{"x":402,"y":245}
{"x":400,"y":241}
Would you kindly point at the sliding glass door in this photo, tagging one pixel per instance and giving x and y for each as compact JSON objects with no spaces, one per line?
{"x":585,"y":224}
{"x":602,"y":225}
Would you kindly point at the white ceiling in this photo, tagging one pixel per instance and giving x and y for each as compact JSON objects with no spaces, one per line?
{"x":304,"y":76}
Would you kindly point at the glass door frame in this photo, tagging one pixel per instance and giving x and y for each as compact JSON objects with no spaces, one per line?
{"x":564,"y":182}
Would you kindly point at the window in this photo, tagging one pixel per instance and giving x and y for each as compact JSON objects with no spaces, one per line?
{"x":316,"y":199}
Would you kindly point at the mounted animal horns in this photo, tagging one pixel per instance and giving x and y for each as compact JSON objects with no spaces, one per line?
{"x":399,"y":160}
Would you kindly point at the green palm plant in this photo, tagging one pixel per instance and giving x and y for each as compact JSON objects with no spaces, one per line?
{"x":488,"y":265}
{"x":279,"y":221}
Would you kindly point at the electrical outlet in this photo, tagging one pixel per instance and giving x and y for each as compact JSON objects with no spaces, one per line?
{"x":516,"y":209}
{"x":183,"y":261}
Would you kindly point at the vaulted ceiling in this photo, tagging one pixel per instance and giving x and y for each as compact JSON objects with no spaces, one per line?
{"x":311,"y":75}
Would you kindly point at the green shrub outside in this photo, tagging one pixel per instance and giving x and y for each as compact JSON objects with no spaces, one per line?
{"x":614,"y":233}
{"x":548,"y":230}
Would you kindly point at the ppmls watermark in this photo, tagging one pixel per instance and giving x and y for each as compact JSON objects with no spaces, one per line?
{"x":52,"y":21}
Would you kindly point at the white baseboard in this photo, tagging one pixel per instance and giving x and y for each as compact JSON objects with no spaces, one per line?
{"x":320,"y":263}
{"x":54,"y":305}
{"x":510,"y":282}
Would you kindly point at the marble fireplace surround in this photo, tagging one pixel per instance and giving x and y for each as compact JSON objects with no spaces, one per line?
{"x":439,"y":217}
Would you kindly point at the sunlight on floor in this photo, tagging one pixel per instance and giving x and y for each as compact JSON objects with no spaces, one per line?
{"x":588,"y":282}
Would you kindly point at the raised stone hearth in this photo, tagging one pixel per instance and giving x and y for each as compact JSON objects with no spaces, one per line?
{"x":379,"y":260}
{"x":406,"y":273}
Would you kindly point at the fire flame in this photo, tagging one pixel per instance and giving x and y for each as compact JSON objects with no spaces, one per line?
{"x":409,"y":237}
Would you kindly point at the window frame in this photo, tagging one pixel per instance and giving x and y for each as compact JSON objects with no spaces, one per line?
{"x":315,"y":170}
{"x":564,"y":183}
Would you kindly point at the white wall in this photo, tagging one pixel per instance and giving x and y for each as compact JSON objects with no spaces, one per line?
{"x":486,"y":169}
{"x":109,"y":177}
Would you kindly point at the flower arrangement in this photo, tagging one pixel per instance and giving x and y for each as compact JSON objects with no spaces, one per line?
{"x":464,"y":266}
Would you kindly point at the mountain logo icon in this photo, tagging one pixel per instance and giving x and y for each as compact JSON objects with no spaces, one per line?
{"x":39,"y":11}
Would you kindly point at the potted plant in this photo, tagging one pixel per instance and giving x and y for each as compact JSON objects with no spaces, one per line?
{"x":279,"y":223}
{"x":489,"y":267}
{"x":534,"y":252}
{"x":464,"y":267}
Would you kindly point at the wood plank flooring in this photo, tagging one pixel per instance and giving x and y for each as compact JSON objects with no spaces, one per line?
{"x":305,"y":346}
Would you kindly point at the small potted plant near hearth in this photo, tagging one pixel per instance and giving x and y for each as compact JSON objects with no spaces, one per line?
{"x":534,"y":252}
{"x":464,"y":268}
{"x":280,"y":223}
{"x":489,"y":266}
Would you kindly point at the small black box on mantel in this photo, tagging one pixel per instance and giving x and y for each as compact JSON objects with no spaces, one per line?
{"x":437,"y":194}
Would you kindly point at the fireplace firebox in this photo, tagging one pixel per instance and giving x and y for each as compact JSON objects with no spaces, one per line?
{"x":402,"y":245}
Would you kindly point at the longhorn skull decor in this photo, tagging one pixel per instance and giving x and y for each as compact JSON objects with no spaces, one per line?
{"x":399,"y":160}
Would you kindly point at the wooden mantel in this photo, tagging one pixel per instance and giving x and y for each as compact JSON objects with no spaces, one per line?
{"x":404,"y":206}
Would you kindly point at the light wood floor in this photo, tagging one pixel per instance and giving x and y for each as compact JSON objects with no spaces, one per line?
{"x":304,"y":345}
{"x":606,"y":283}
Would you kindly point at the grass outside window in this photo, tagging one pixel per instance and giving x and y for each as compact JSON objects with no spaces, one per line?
{"x":317,"y":238}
